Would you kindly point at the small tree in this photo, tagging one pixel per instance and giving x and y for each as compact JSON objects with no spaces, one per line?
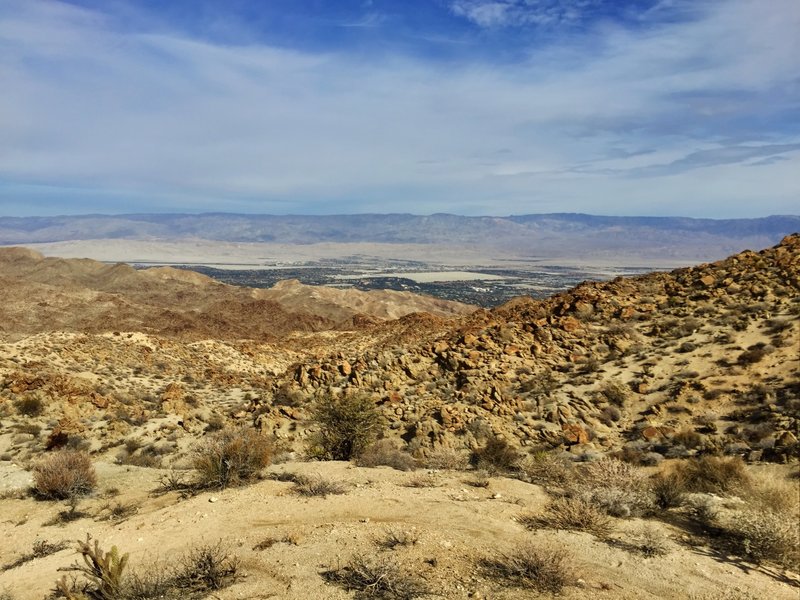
{"x":347,"y":425}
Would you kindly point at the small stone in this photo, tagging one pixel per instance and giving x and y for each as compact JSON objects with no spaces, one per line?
{"x":213,"y":499}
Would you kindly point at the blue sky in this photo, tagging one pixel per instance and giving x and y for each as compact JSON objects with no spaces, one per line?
{"x":628,"y":107}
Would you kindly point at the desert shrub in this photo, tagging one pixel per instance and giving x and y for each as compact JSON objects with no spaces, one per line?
{"x":496,"y":456}
{"x":615,"y":392}
{"x":764,"y":535}
{"x":395,"y":538}
{"x":447,"y":459}
{"x":377,"y":578}
{"x":64,"y":474}
{"x":610,"y":414}
{"x":206,"y":568}
{"x":669,"y":490}
{"x":749,"y":357}
{"x":651,"y":542}
{"x":347,"y":426}
{"x":201,"y":570}
{"x":714,"y":474}
{"x":30,"y":405}
{"x":572,"y":514}
{"x":425,"y":480}
{"x":546,"y":468}
{"x":317,"y":486}
{"x":386,"y":453}
{"x":618,"y":488}
{"x":539,"y":568}
{"x":688,"y":438}
{"x":231,"y":457}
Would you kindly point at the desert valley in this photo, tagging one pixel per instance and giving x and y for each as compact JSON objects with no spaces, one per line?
{"x":628,"y":438}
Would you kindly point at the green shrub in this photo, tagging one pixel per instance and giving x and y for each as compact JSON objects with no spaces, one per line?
{"x":64,"y":474}
{"x":347,"y":426}
{"x":231,"y":457}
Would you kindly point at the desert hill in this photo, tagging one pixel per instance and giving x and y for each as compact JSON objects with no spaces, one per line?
{"x":656,"y":371}
{"x":43,"y":294}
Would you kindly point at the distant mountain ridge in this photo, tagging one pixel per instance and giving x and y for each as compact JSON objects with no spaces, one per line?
{"x":378,"y":228}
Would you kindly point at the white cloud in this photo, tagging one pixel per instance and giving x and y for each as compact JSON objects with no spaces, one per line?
{"x":88,"y":104}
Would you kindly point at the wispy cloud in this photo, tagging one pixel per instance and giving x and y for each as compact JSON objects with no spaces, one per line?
{"x":159,"y":117}
{"x":502,"y":13}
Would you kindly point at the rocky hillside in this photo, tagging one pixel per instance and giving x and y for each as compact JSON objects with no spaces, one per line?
{"x":667,"y":364}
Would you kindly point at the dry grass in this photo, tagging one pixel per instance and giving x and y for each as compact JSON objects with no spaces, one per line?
{"x":317,"y":486}
{"x":713,"y":474}
{"x":618,"y":488}
{"x":572,"y":514}
{"x":64,"y":474}
{"x":382,"y":579}
{"x":546,"y":570}
{"x":386,"y":453}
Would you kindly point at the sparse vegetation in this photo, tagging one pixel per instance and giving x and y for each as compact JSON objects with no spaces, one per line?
{"x":547,"y":570}
{"x":64,"y":474}
{"x":317,"y":486}
{"x":572,"y":514}
{"x":497,"y":455}
{"x":40,"y":549}
{"x":386,"y":453}
{"x":381,"y":579}
{"x":231,"y":457}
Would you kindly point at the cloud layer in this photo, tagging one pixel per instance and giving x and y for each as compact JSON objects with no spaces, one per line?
{"x":695,"y":115}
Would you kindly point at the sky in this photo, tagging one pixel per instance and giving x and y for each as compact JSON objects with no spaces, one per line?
{"x":473,"y":107}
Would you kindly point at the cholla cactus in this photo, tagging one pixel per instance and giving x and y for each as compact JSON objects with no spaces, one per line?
{"x":103,"y":570}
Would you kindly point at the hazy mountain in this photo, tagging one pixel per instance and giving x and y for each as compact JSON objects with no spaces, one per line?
{"x":390,"y":228}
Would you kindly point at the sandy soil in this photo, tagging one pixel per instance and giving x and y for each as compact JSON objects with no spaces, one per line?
{"x":264,"y":255}
{"x":455,"y":525}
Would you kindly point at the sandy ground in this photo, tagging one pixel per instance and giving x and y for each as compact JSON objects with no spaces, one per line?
{"x":454,"y":523}
{"x":264,"y":255}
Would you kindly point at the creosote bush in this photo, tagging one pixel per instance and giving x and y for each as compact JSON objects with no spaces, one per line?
{"x":231,"y":457}
{"x":347,"y":426}
{"x":64,"y":474}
